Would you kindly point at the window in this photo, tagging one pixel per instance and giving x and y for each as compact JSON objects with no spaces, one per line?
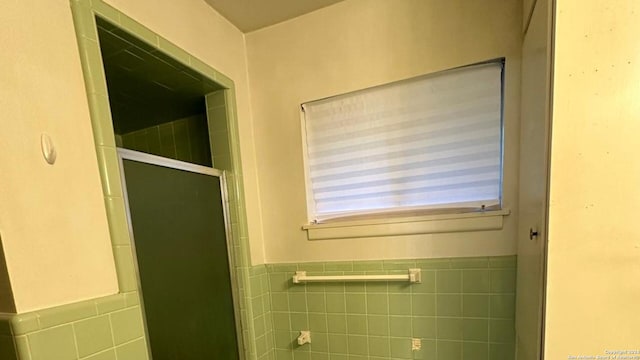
{"x":433,"y":142}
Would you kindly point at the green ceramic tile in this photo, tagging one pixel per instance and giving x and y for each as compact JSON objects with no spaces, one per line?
{"x":399,"y":304}
{"x":281,"y":321}
{"x":84,"y":21}
{"x":379,"y":346}
{"x":297,"y":302}
{"x":105,"y":11}
{"x":320,"y":342}
{"x":377,"y":304}
{"x":215,"y":99}
{"x":259,"y":328}
{"x":283,"y":355}
{"x":449,"y":281}
{"x":261,"y":345}
{"x":138,"y":30}
{"x":92,"y":64}
{"x":449,"y":350}
{"x":475,"y":351}
{"x":109,"y":171}
{"x":423,"y":327}
{"x":400,"y":326}
{"x":339,"y":266}
{"x":427,"y":284}
{"x":503,"y":280}
{"x":433,"y":264}
{"x":53,"y":343}
{"x":7,"y":348}
{"x":376,"y":287}
{"x":318,"y":322}
{"x":118,"y":224}
{"x":335,"y":303}
{"x":316,"y":302}
{"x":110,"y":303}
{"x":367,"y":265}
{"x":357,"y":324}
{"x":337,"y":323}
{"x":202,"y":68}
{"x":101,"y":122}
{"x":475,"y":281}
{"x":503,"y":262}
{"x":283,"y":339}
{"x":423,"y":304}
{"x":449,"y":328}
{"x":131,"y":298}
{"x":338,"y":344}
{"x":93,"y":335}
{"x":25,"y":323}
{"x":475,"y":329}
{"x":355,"y":287}
{"x":224,"y":80}
{"x":279,"y":282}
{"x":399,"y":264}
{"x":469,"y":263}
{"x":280,"y":301}
{"x":136,"y":350}
{"x":299,"y":321}
{"x":449,"y":305}
{"x":427,"y":352}
{"x":127,"y":325}
{"x":401,"y":348}
{"x":503,"y":306}
{"x":66,"y":314}
{"x":356,"y":304}
{"x":22,"y":347}
{"x":502,"y":331}
{"x":378,"y":325}
{"x":475,"y":305}
{"x":125,"y":268}
{"x":501,"y":351}
{"x":358,"y":345}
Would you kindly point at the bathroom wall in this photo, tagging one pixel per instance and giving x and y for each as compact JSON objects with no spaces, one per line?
{"x":353,"y":45}
{"x":184,"y":139}
{"x":53,"y":224}
{"x":594,"y":246}
{"x":463,"y":309}
{"x":57,"y":243}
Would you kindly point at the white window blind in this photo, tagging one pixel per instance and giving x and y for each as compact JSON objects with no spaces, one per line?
{"x":429,"y":142}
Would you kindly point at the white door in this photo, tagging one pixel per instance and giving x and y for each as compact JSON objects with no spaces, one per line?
{"x":534,"y":135}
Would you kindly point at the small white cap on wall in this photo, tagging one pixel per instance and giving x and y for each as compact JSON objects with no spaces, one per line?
{"x":48,"y":150}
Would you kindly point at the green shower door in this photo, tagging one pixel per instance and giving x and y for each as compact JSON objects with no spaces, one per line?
{"x":179,"y":235}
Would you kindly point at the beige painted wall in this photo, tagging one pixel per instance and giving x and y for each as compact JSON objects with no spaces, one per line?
{"x":357,"y":44}
{"x":52,"y":218}
{"x":594,"y":238}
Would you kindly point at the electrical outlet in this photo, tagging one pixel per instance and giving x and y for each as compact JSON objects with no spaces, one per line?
{"x":416,"y":344}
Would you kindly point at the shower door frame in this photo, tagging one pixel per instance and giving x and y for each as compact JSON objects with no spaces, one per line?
{"x":132,"y":155}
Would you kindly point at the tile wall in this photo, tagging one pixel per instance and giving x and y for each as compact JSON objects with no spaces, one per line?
{"x":463,"y":309}
{"x":107,"y":328}
{"x":184,"y":139}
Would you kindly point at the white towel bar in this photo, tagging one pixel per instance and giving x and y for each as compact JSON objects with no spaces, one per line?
{"x":413,"y":276}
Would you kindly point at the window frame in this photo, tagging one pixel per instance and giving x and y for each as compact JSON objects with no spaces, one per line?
{"x":404,"y":220}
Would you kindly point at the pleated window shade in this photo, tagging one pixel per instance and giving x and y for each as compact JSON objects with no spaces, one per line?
{"x":426,"y":143}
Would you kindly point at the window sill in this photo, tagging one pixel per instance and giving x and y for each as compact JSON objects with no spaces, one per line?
{"x":430,"y":224}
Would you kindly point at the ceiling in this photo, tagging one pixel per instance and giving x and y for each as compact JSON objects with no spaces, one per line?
{"x":249,"y":15}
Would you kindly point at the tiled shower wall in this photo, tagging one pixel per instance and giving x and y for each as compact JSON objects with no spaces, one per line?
{"x":463,"y":309}
{"x":184,"y":139}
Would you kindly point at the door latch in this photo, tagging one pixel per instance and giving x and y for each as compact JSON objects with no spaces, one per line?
{"x":532,"y":233}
